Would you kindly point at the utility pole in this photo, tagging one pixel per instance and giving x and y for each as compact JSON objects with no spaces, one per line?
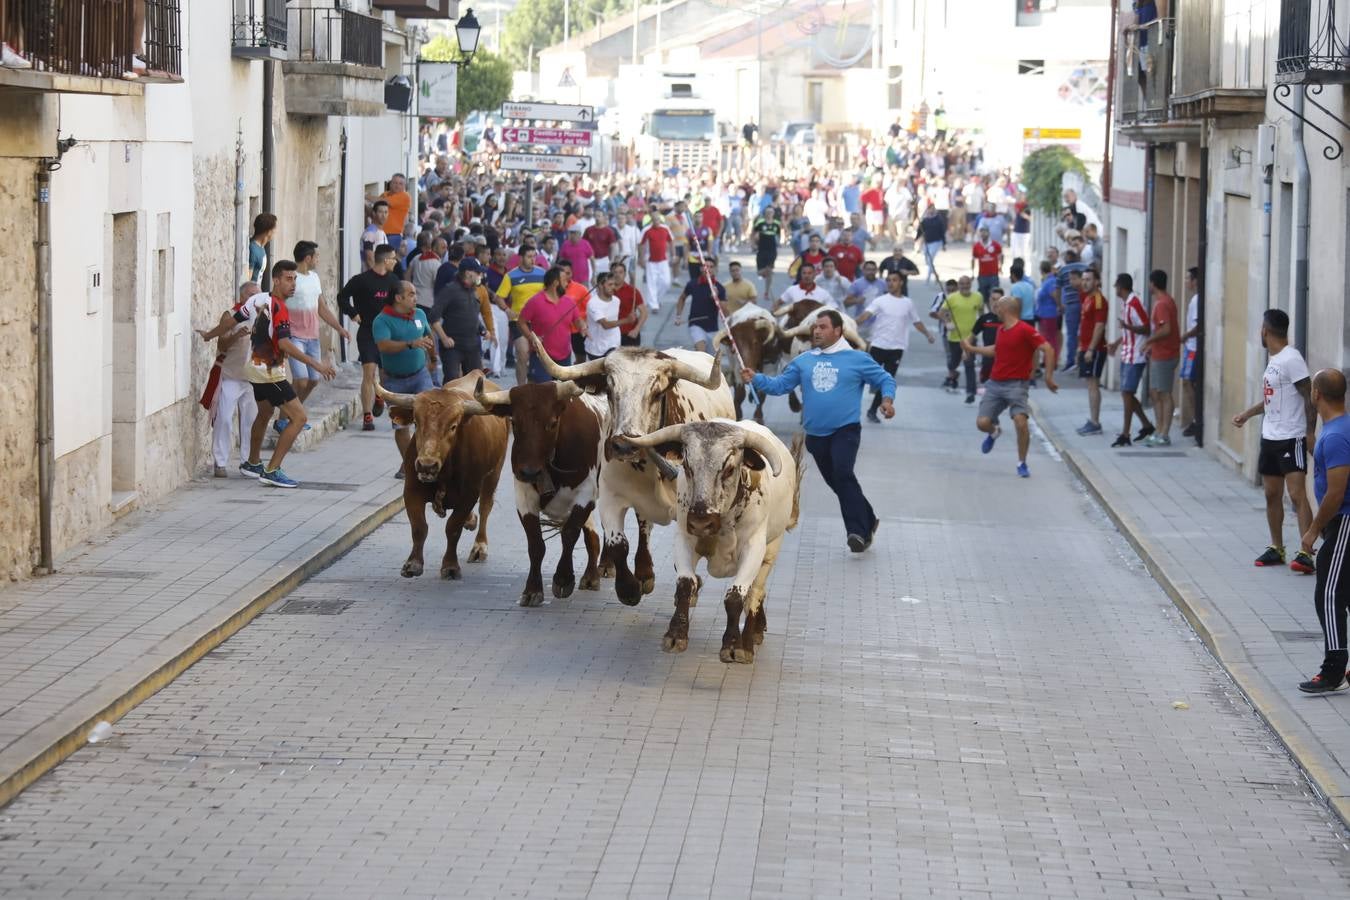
{"x":637,"y":5}
{"x":567,"y":22}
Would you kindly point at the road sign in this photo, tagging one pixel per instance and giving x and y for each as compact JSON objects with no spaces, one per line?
{"x":1052,"y":134}
{"x":545,"y":162}
{"x":548,"y":112}
{"x":546,"y":136}
{"x":567,"y":80}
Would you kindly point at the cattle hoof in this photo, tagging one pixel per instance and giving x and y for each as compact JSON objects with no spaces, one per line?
{"x":411,"y":569}
{"x":607,"y":571}
{"x":589,"y":582}
{"x":478,"y":553}
{"x":471,"y":522}
{"x":743,"y":656}
{"x":648,"y":585}
{"x":629,"y":591}
{"x":451,"y":574}
{"x":674,"y":644}
{"x":759,"y":637}
{"x":759,"y":418}
{"x":530,"y":599}
{"x":562,"y":587}
{"x":727,"y":655}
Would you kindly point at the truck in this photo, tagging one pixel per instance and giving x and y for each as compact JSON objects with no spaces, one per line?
{"x":679,"y":124}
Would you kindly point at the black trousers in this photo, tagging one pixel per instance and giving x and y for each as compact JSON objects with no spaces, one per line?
{"x":888,"y":360}
{"x":954,"y":360}
{"x":835,"y":455}
{"x":630,"y":340}
{"x":1332,"y":593}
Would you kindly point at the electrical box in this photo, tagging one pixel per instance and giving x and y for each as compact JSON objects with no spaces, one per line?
{"x":93,"y":290}
{"x":1265,"y":146}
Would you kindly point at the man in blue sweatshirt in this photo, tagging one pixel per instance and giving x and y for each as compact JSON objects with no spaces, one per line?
{"x":832,"y":377}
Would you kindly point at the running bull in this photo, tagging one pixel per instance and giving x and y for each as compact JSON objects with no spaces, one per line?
{"x":756,"y":335}
{"x":453,"y":462}
{"x":557,"y":433}
{"x":647,"y":389}
{"x":738,"y":488}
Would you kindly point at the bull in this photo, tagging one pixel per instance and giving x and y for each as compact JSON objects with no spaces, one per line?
{"x":557,"y":430}
{"x":795,"y":336}
{"x":738,"y":491}
{"x":755,"y":333}
{"x":647,"y":389}
{"x":453,"y":462}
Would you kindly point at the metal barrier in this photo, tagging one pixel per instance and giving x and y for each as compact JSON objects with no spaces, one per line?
{"x":1145,"y":76}
{"x":260,"y":23}
{"x":336,"y":35}
{"x":93,"y":38}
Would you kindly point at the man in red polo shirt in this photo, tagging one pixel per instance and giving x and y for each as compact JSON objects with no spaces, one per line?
{"x":711,"y":218}
{"x":654,"y":256}
{"x":1014,"y":354}
{"x":848,"y":259}
{"x":987,"y":260}
{"x":632,"y":309}
{"x":1092,"y":348}
{"x":602,"y":238}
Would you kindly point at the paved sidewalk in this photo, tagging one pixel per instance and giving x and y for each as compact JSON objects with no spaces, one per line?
{"x":130,"y":609}
{"x":1198,"y":526}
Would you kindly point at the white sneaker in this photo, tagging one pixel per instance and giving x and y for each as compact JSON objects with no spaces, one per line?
{"x":9,"y":59}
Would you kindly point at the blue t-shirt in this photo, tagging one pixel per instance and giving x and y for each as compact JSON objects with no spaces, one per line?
{"x":852,"y":195}
{"x":1331,"y":452}
{"x":1067,"y":292}
{"x":1026,"y":295}
{"x":1045,"y":300}
{"x":831,"y":386}
{"x":396,"y":328}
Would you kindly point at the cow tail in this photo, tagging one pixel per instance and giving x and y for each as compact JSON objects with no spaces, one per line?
{"x":799,"y":461}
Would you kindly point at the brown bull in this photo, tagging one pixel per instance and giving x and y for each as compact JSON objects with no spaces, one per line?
{"x":453,"y":462}
{"x":756,"y":337}
{"x":555,"y":458}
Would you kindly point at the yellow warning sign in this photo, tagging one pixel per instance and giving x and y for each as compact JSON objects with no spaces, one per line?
{"x":1052,"y":134}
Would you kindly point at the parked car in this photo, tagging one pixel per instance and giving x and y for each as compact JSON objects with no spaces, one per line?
{"x":796,"y":133}
{"x":472,"y":131}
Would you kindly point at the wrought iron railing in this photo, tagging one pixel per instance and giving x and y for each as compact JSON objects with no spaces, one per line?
{"x":96,"y":38}
{"x":336,"y":35}
{"x":1145,"y":77}
{"x":1314,"y":41}
{"x":259,"y":24}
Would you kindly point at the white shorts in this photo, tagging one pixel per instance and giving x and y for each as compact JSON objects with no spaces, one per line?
{"x":874,"y":218}
{"x":601,"y":264}
{"x":697,"y":334}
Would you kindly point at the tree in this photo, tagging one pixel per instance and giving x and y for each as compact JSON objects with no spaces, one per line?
{"x":484,"y":84}
{"x":539,"y":24}
{"x":1043,"y":172}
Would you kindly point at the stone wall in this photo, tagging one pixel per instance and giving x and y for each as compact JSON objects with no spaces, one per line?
{"x":83,"y":477}
{"x":18,"y":387}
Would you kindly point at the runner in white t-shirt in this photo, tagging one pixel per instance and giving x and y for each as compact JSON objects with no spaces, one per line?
{"x":892,"y":314}
{"x":805,"y":289}
{"x":1190,"y":374}
{"x":1134,"y":326}
{"x":602,"y":318}
{"x":1286,"y":438}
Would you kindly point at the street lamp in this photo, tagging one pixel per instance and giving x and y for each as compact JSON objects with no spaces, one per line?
{"x":467,"y":30}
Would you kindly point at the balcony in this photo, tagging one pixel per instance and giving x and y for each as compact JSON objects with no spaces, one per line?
{"x":335,"y":64}
{"x":92,"y":46}
{"x":1145,"y":81}
{"x":1314,"y":43}
{"x":420,"y":9}
{"x":259,"y":29}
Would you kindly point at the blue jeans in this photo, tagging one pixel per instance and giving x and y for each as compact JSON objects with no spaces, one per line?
{"x":537,"y":374}
{"x":986,"y":284}
{"x":1073,"y":313}
{"x":930,"y":252}
{"x":835,"y":455}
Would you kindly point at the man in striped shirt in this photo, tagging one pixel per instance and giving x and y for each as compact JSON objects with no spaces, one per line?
{"x":1133,"y":357}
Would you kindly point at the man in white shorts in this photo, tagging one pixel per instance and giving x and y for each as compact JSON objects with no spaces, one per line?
{"x":702,"y":311}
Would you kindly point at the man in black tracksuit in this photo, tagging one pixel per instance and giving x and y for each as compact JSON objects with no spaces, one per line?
{"x":455,"y":318}
{"x":363,"y":298}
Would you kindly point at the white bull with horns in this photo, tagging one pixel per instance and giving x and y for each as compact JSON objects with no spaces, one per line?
{"x":648,"y":390}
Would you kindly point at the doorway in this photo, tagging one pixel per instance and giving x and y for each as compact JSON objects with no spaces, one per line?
{"x":126,"y":394}
{"x":1233,"y":393}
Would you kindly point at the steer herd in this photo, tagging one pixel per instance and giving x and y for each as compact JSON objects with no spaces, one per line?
{"x":641,"y":429}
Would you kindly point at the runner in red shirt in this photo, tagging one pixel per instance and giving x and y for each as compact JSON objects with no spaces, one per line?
{"x":1014,"y":354}
{"x":1092,"y":349}
{"x":632,"y":308}
{"x":986,"y":258}
{"x":602,"y":237}
{"x":654,"y":255}
{"x":847,"y":257}
{"x":711,"y":218}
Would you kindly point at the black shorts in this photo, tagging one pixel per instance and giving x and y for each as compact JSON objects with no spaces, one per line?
{"x":630,"y":340}
{"x":765,"y":260}
{"x":465,"y":356}
{"x":368,"y":352}
{"x":1279,"y":458}
{"x":276,"y":393}
{"x":513,"y":332}
{"x":1092,"y":369}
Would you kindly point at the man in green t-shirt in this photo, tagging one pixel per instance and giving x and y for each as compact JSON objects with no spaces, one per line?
{"x":405,"y":340}
{"x":959,"y":311}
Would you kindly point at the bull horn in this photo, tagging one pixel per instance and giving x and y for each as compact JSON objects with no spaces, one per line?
{"x":801,"y":328}
{"x":490,"y":399}
{"x":712,"y":381}
{"x":569,"y":390}
{"x":663,"y":466}
{"x":766,"y":448}
{"x":854,"y":339}
{"x":720,"y":337}
{"x":473,"y":408}
{"x":565,"y":373}
{"x":669,"y":434}
{"x":392,"y":399}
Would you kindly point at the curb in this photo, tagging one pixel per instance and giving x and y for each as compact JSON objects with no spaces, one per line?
{"x":68,"y":736}
{"x":1318,"y":766}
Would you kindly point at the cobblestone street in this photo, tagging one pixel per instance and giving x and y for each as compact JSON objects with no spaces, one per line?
{"x":996,"y":700}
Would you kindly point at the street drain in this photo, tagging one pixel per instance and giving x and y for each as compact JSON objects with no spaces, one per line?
{"x":325,"y":486}
{"x":129,"y":574}
{"x":1299,"y":635}
{"x":1151,"y":453}
{"x":313,"y":607}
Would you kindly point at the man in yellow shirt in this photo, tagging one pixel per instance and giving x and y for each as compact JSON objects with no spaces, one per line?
{"x":959,"y":311}
{"x":739,"y":291}
{"x":518,"y":286}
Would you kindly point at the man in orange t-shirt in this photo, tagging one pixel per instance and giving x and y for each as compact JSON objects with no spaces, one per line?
{"x":400,"y":203}
{"x":1092,"y":348}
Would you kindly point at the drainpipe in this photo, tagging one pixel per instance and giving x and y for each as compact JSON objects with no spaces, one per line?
{"x":342,"y":226}
{"x":45,"y":404}
{"x":1267,"y":179}
{"x":1302,"y":199}
{"x":1202,"y":251}
{"x":240,"y":217}
{"x":268,"y":159}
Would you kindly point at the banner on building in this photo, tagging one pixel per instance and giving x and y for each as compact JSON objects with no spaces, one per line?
{"x":438,"y":85}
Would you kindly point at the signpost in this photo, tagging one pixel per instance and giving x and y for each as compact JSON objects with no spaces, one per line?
{"x":545,"y":162}
{"x":546,"y":136}
{"x":548,"y":112}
